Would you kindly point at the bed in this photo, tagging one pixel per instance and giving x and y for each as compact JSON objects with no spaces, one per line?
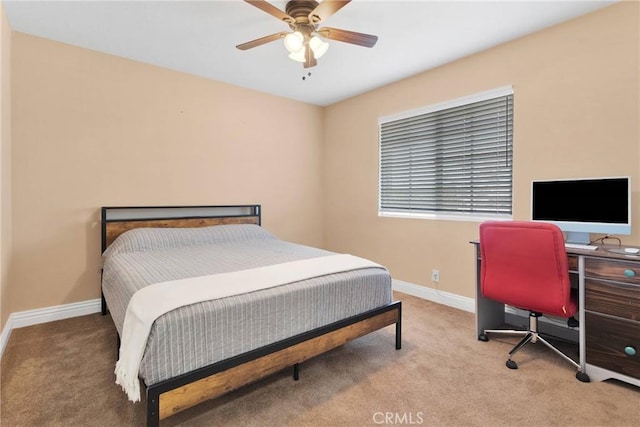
{"x":204,"y":349}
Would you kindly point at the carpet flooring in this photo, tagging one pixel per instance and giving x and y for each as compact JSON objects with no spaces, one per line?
{"x":61,"y":374}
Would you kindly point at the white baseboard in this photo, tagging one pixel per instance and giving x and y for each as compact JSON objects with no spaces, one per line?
{"x":48,"y":314}
{"x":441,"y":297}
{"x":6,"y":333}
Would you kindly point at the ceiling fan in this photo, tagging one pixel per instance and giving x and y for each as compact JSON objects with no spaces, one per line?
{"x":303,"y":18}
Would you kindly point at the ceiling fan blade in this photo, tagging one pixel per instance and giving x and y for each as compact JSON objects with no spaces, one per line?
{"x":325,"y":10}
{"x":310,"y":59}
{"x":271,"y":10}
{"x":262,"y":40}
{"x":361,"y":39}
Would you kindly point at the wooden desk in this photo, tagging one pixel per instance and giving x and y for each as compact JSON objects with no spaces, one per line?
{"x":609,"y":311}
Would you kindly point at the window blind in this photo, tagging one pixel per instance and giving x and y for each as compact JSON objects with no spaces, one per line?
{"x":451,"y":160}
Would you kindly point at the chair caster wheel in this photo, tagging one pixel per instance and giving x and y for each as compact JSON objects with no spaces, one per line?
{"x":583,"y":377}
{"x":572,"y":322}
{"x":511,"y":364}
{"x":483,"y":337}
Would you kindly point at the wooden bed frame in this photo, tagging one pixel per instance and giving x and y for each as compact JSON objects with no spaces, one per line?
{"x":179,"y":393}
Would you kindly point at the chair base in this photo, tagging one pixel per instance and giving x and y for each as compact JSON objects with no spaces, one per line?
{"x":531,"y":336}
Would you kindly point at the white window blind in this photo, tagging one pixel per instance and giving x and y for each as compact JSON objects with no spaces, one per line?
{"x":456,"y":159}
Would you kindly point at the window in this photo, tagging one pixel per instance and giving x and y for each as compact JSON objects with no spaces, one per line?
{"x":451,"y":160}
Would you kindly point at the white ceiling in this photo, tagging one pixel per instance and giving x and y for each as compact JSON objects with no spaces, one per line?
{"x":199,"y":37}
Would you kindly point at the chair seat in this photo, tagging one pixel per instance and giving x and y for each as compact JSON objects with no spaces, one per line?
{"x":571,"y":308}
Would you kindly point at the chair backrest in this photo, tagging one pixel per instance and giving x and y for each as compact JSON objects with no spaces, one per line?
{"x":524,"y":264}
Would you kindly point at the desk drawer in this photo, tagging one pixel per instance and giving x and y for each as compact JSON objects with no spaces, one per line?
{"x":615,"y":299}
{"x":607,"y":338}
{"x":622,"y":271}
{"x":573,"y":262}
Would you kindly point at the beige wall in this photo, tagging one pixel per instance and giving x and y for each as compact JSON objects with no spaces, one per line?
{"x":5,"y":164}
{"x":93,"y":130}
{"x":89,"y":129}
{"x":576,"y":113}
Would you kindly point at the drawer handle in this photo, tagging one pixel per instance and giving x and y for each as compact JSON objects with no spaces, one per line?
{"x":629,"y":273}
{"x":630,"y":351}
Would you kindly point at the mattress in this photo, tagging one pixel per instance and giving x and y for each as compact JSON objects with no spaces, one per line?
{"x":200,"y":334}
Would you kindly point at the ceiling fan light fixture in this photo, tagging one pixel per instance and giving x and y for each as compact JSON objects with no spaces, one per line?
{"x":304,"y":18}
{"x":318,"y":47}
{"x":299,"y":55}
{"x":294,"y":42}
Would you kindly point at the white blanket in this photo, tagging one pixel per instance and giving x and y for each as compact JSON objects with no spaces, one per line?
{"x":152,"y":301}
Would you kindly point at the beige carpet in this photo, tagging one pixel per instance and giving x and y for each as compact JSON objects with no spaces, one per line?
{"x":61,"y":374}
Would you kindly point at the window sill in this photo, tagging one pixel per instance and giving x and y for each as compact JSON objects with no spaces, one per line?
{"x":447,"y":216}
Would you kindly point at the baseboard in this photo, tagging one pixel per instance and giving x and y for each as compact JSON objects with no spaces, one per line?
{"x":6,"y":333}
{"x":48,"y":314}
{"x":441,"y":297}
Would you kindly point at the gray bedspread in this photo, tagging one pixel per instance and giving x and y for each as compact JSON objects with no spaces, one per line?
{"x":201,"y":334}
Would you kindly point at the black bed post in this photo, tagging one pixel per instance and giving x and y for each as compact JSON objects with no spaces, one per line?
{"x":103,"y":304}
{"x":103,"y":246}
{"x":399,"y":327}
{"x":296,"y":371}
{"x":153,"y":407}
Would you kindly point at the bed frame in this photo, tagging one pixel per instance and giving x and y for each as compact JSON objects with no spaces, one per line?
{"x":176,"y":394}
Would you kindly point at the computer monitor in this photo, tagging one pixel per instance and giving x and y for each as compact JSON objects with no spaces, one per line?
{"x":583,"y":206}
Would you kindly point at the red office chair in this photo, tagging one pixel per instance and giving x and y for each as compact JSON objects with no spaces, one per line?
{"x":524,"y":264}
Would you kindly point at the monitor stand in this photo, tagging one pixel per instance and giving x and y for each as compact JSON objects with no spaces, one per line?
{"x":577,"y":237}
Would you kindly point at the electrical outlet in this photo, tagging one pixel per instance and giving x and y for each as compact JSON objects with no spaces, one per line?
{"x":435,"y":276}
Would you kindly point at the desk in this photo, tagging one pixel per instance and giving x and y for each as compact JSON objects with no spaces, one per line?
{"x":609,"y":311}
